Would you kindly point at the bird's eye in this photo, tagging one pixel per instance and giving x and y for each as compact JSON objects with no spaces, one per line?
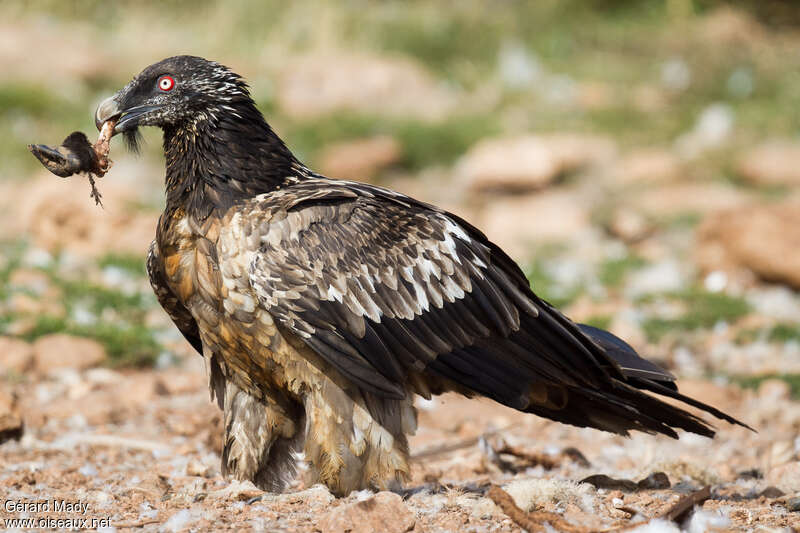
{"x":166,"y":83}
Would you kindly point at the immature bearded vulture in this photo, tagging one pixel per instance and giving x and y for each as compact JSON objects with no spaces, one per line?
{"x":323,"y":306}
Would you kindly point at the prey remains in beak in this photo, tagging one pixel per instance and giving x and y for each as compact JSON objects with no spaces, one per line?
{"x":76,"y":155}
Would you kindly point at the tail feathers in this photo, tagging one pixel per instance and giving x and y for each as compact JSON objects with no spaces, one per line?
{"x":642,"y":374}
{"x":659,"y":388}
{"x":631,"y":364}
{"x":621,"y":409}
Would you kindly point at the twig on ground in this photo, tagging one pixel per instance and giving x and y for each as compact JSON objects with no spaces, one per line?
{"x":533,"y":522}
{"x":679,"y":511}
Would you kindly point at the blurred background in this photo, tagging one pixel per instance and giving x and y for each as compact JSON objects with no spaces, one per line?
{"x":640,"y":159}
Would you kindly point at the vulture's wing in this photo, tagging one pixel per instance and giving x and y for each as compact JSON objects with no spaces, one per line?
{"x":381,"y":286}
{"x":181,"y":316}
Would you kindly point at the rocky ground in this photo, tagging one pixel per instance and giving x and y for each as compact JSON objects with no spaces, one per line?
{"x":656,"y":197}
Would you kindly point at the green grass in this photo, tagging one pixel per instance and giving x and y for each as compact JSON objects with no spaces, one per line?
{"x":753,"y":382}
{"x":126,"y":339}
{"x":703,"y":310}
{"x":778,"y":333}
{"x":130,"y":263}
{"x":613,"y":271}
{"x":422,"y":143}
{"x":126,"y":344}
{"x":599,"y":321}
{"x":546,"y":287}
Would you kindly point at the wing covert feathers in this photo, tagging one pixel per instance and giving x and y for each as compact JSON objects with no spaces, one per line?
{"x":382,"y":287}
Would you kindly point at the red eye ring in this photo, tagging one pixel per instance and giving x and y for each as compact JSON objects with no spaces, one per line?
{"x":166,"y":83}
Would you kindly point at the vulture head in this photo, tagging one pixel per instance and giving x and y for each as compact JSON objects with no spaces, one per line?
{"x":175,"y":93}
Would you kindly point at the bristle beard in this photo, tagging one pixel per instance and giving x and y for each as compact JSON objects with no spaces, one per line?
{"x":133,"y":140}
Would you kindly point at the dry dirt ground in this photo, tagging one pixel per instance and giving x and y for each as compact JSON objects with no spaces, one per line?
{"x":140,"y":450}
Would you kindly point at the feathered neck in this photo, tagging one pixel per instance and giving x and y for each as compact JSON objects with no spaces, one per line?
{"x":224,"y":157}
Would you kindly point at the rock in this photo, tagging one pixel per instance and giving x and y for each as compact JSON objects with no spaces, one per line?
{"x":319,"y":84}
{"x":771,"y":163}
{"x":730,"y":27}
{"x":179,"y":381}
{"x":786,"y":477}
{"x":26,"y":304}
{"x":665,"y":276}
{"x":774,"y":390}
{"x":384,"y":512}
{"x":517,"y":223}
{"x":35,"y":281}
{"x":360,"y":159}
{"x":59,"y":216}
{"x":793,"y":504}
{"x":602,"y":481}
{"x":315,"y":496}
{"x":59,"y":350}
{"x":516,"y":164}
{"x":196,"y":468}
{"x":17,"y":355}
{"x":764,"y":239}
{"x":712,"y":130}
{"x":94,"y":408}
{"x":237,"y":490}
{"x":771,"y":493}
{"x":655,"y":481}
{"x":648,"y":166}
{"x":10,"y":421}
{"x":629,"y":225}
{"x":681,"y":198}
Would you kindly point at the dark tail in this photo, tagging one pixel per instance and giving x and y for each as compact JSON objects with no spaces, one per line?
{"x":645,"y":375}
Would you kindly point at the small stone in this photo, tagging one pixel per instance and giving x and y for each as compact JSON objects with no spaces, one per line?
{"x":629,"y":225}
{"x":361,"y":159}
{"x":26,"y":304}
{"x":602,"y":481}
{"x":521,"y":164}
{"x":196,"y":468}
{"x":237,"y":490}
{"x":384,"y":512}
{"x":558,"y":216}
{"x":318,"y":84}
{"x":10,"y":422}
{"x":772,"y":163}
{"x":774,"y":390}
{"x":17,"y":355}
{"x":786,"y":477}
{"x":793,"y":504}
{"x":771,"y":492}
{"x":648,"y":166}
{"x":32,"y":280}
{"x":655,"y":481}
{"x":759,"y":238}
{"x":174,"y":382}
{"x":60,"y":350}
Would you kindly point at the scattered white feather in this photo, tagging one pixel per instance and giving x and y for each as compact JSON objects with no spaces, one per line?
{"x":180,"y":521}
{"x":364,"y":495}
{"x":703,"y":521}
{"x":484,"y":508}
{"x":530,"y":493}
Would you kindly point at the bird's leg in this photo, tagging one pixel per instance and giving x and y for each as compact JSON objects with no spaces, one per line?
{"x":261,"y":439}
{"x":346,"y":446}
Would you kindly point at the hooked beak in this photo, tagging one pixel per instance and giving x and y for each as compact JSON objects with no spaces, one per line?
{"x":127,"y":119}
